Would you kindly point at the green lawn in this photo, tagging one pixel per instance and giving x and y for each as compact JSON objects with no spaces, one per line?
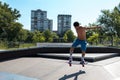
{"x":27,"y":45}
{"x":23,"y":45}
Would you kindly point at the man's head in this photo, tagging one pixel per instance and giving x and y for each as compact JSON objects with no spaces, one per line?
{"x":76,"y":24}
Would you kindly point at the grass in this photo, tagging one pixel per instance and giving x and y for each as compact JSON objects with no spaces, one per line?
{"x":27,"y":45}
{"x":23,"y":45}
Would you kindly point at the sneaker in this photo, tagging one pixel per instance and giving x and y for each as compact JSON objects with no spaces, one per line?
{"x":70,"y":61}
{"x":82,"y":62}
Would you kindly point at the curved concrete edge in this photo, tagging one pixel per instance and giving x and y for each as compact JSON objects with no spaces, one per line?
{"x":77,"y":58}
{"x":64,"y":57}
{"x":11,"y":54}
{"x":106,"y":57}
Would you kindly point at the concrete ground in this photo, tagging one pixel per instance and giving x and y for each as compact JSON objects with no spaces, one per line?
{"x":36,"y":68}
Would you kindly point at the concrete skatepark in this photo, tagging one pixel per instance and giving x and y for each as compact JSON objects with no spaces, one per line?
{"x":51,"y":63}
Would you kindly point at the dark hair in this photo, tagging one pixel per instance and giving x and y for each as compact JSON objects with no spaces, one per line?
{"x":76,"y":24}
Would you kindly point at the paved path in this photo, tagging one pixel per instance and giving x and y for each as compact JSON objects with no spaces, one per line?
{"x":52,"y":69}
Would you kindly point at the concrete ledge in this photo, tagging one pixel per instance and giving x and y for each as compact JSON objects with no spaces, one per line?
{"x":78,"y":50}
{"x":33,"y":51}
{"x":64,"y":57}
{"x":11,"y":54}
{"x":77,"y":57}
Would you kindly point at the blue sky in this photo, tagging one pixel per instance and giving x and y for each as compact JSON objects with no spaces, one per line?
{"x":84,"y":11}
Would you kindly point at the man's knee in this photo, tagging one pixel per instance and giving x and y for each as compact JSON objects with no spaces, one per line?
{"x":71,"y":49}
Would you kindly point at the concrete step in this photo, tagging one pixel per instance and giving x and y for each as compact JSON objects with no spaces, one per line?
{"x":90,"y":57}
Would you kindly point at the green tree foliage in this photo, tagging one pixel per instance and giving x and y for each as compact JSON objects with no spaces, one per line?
{"x":65,"y":38}
{"x":13,"y":31}
{"x":7,"y":15}
{"x":8,"y":24}
{"x":93,"y":39}
{"x":69,"y":36}
{"x":23,"y":34}
{"x":116,"y":19}
{"x":38,"y":36}
{"x":29,"y":38}
{"x":89,"y":33}
{"x":55,"y":36}
{"x":111,"y":21}
{"x":48,"y":36}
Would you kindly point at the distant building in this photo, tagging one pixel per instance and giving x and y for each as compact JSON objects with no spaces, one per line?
{"x":55,"y":31}
{"x":39,"y":21}
{"x":64,"y":24}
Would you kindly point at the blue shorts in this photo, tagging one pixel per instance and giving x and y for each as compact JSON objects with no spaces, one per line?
{"x":80,"y":42}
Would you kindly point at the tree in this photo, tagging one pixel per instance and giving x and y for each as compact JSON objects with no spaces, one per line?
{"x":22,"y":35}
{"x":29,"y":38}
{"x":38,"y":37}
{"x":48,"y":36}
{"x":65,"y":38}
{"x":111,"y":21}
{"x":13,"y":31}
{"x":7,"y":15}
{"x":115,"y":15}
{"x":54,"y":35}
{"x":69,"y":35}
{"x":93,"y":39}
{"x":8,"y":24}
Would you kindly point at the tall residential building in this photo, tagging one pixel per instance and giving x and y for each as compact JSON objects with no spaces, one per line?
{"x":39,"y":21}
{"x":64,"y":24}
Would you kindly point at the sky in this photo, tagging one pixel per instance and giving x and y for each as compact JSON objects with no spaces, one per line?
{"x":84,"y":11}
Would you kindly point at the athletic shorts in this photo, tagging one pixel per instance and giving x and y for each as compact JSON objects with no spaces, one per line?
{"x":77,"y":42}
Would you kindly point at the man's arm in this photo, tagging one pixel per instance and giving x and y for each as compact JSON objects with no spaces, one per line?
{"x":93,"y":27}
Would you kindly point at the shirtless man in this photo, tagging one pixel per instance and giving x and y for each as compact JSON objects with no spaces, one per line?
{"x":80,"y":40}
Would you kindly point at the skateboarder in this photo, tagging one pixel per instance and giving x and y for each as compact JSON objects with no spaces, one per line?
{"x":80,"y":40}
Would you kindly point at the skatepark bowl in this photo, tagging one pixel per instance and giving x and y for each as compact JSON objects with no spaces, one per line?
{"x":50,"y":63}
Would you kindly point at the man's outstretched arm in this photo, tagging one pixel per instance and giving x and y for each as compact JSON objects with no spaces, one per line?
{"x":93,"y":27}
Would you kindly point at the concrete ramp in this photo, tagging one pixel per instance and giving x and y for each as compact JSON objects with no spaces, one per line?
{"x":114,"y":69}
{"x":52,"y":69}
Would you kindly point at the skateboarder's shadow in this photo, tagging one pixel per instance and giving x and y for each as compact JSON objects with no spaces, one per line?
{"x":72,"y":75}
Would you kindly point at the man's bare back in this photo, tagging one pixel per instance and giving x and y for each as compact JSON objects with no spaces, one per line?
{"x":81,"y":32}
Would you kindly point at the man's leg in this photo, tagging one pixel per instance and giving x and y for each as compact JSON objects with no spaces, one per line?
{"x":75,"y":43}
{"x":83,"y":47}
{"x":71,"y":50}
{"x":83,"y":55}
{"x":82,"y":58}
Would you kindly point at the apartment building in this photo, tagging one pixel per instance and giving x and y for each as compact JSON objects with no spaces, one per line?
{"x":39,"y":21}
{"x":63,"y":23}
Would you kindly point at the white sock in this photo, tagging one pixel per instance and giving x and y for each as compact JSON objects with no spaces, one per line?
{"x":82,"y":58}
